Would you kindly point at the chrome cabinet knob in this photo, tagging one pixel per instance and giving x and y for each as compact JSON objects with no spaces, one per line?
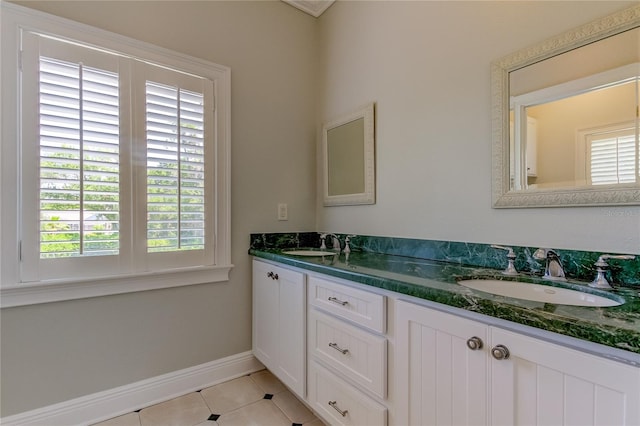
{"x":500,"y":352}
{"x":474,"y":343}
{"x":272,"y":275}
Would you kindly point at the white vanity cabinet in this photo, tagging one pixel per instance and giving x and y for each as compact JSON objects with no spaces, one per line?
{"x":451,"y":370}
{"x":279,"y":321}
{"x":327,"y":340}
{"x":347,"y":353}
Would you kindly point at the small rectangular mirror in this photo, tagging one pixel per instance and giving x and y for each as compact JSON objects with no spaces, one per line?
{"x":349,"y":159}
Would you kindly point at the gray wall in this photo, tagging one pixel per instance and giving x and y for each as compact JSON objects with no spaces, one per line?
{"x":426,"y":64}
{"x":58,"y":351}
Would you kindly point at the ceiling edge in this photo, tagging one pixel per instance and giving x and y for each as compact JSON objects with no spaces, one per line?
{"x":314,"y":8}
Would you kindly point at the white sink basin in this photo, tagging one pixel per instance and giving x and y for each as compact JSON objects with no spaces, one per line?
{"x":538,"y":293}
{"x":309,"y":253}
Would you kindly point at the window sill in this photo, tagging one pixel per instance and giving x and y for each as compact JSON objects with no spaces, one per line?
{"x":61,"y":290}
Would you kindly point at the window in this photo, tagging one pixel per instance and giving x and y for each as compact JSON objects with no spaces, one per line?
{"x":120,"y":157}
{"x":613,"y":157}
{"x":608,"y":155}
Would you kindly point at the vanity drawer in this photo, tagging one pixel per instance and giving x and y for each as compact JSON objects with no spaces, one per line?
{"x":362,"y":307}
{"x":340,"y":403}
{"x":354,"y":353}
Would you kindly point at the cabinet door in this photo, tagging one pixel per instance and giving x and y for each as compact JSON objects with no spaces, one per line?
{"x":292,"y":328}
{"x":265,"y":314}
{"x":545,"y":384}
{"x":440,"y":380}
{"x":279,"y":323}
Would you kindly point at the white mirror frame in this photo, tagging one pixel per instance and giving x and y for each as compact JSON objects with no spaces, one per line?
{"x":368,"y":196}
{"x":502,"y":195}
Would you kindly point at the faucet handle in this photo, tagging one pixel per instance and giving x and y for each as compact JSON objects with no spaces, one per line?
{"x":511,"y":257}
{"x":601,"y":281}
{"x":347,"y":240}
{"x":602,"y":260}
{"x":323,"y":237}
{"x":509,"y":249}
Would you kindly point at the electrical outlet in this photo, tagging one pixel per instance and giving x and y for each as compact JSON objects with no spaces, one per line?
{"x":283,"y":213}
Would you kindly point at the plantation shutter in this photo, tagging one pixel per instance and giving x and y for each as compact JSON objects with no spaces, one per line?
{"x":79,"y":160}
{"x":72,"y":160}
{"x":175,"y":168}
{"x":178,"y":145}
{"x":613,"y":158}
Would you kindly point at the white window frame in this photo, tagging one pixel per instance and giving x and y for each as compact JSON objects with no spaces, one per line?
{"x":14,"y":292}
{"x":583,"y":149}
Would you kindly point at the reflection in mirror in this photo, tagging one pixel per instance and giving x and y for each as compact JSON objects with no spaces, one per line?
{"x":345,"y":146}
{"x":566,"y":118}
{"x":579,"y":133}
{"x":348,"y":148}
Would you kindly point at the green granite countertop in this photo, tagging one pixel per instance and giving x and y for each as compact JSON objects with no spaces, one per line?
{"x":617,"y":327}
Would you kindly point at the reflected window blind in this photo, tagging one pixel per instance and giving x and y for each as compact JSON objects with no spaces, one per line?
{"x":175,"y":168}
{"x":613,"y":160}
{"x":79,"y":160}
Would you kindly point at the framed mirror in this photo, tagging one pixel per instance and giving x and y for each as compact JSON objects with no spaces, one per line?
{"x":565,"y":118}
{"x":348,"y":148}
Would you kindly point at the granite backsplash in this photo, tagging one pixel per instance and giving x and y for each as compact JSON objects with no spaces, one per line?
{"x":578,"y":265}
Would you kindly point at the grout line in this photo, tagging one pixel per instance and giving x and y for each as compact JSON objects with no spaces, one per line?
{"x":213,"y":422}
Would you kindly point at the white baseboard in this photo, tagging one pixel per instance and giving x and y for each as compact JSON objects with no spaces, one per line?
{"x":104,"y":405}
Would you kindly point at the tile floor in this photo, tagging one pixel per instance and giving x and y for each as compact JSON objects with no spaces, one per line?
{"x":258,"y":399}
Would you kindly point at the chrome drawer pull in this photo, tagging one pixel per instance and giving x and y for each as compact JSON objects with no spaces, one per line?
{"x":335,"y":407}
{"x":272,"y":275}
{"x":339,"y":349}
{"x":338,"y":301}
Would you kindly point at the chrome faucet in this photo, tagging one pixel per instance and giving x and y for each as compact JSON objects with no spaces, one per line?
{"x":553,"y":269}
{"x":334,"y":237}
{"x":601,"y":281}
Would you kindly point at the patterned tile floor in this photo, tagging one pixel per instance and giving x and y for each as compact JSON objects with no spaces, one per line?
{"x":257,"y":400}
